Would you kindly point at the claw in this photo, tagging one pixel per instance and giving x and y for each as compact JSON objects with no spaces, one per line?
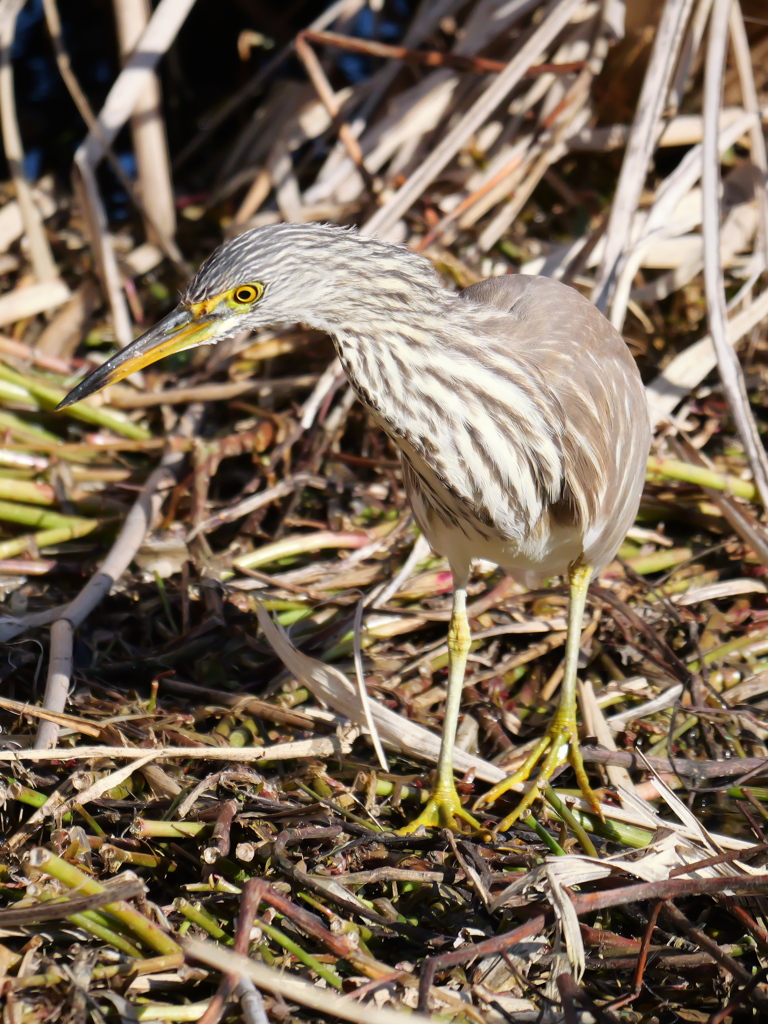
{"x":560,"y":743}
{"x":443,"y":809}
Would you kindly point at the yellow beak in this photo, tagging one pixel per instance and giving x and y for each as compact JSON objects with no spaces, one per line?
{"x":178,"y":331}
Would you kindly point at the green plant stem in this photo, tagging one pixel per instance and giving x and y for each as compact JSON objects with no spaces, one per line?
{"x":13,"y":512}
{"x":288,"y":944}
{"x":555,"y":847}
{"x":300,"y":544}
{"x":144,"y":828}
{"x":26,"y":490}
{"x":197,"y":914}
{"x":616,"y":831}
{"x":47,"y":396}
{"x":673,"y":469}
{"x":94,"y":923}
{"x":73,"y":878}
{"x":659,"y":749}
{"x":29,"y":433}
{"x":659,"y":561}
{"x":564,"y":812}
{"x":47,"y":538}
{"x":730,"y":648}
{"x":30,"y":797}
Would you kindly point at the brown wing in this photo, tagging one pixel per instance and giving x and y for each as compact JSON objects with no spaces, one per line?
{"x":606,"y":431}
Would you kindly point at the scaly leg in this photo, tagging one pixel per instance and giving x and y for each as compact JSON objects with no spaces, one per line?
{"x":444,"y":805}
{"x":560,"y":742}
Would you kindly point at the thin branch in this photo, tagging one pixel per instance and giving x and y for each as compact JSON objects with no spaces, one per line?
{"x":135,"y":527}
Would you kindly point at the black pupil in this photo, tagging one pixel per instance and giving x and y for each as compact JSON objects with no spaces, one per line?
{"x":244,"y":294}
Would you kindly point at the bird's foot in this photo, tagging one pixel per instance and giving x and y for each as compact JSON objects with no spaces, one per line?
{"x":443,"y":810}
{"x":560,"y":743}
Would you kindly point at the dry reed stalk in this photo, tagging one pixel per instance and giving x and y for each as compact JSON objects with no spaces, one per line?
{"x":642,"y":141}
{"x":136,"y":76}
{"x":147,"y":127}
{"x":731,"y":374}
{"x":555,"y":17}
{"x":39,"y":250}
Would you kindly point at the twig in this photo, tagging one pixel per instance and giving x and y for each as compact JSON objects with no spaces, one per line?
{"x":123,"y":398}
{"x":295,"y":989}
{"x":362,"y":689}
{"x":320,"y":747}
{"x":432,"y":58}
{"x":694,"y":770}
{"x":255,"y":501}
{"x":135,"y":527}
{"x":323,"y":89}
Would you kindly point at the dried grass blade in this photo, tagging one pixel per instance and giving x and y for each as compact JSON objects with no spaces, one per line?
{"x":332,"y":687}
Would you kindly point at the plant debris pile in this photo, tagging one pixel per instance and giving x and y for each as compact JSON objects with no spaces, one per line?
{"x":202,"y":568}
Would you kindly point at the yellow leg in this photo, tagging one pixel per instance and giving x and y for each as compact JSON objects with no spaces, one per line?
{"x":560,"y":743}
{"x":444,"y":805}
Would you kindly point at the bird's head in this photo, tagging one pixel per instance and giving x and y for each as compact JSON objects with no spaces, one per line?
{"x":283,"y":273}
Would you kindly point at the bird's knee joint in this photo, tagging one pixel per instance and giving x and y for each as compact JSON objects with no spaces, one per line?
{"x":579,"y":573}
{"x":459,"y":639}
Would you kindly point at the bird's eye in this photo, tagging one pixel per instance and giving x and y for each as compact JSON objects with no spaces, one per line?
{"x":247,"y":293}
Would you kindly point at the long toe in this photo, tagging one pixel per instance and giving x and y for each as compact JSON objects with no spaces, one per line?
{"x":560,"y":744}
{"x":443,"y":810}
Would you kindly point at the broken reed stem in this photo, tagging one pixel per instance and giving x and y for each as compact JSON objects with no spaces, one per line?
{"x":73,"y":878}
{"x":47,"y":538}
{"x":47,"y":396}
{"x":27,"y":491}
{"x":674,"y":469}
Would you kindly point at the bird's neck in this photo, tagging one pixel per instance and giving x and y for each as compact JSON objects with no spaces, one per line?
{"x":428,"y":370}
{"x":386,"y":353}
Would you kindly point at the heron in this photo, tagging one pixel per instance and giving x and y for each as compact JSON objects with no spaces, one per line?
{"x":517,"y":409}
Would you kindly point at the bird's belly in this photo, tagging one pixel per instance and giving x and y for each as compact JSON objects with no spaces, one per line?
{"x":532,"y":560}
{"x":530,"y":555}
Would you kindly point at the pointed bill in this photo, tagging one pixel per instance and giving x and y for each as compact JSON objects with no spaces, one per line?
{"x":177,"y":332}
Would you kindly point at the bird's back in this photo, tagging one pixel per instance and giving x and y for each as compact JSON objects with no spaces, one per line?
{"x":596,"y":417}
